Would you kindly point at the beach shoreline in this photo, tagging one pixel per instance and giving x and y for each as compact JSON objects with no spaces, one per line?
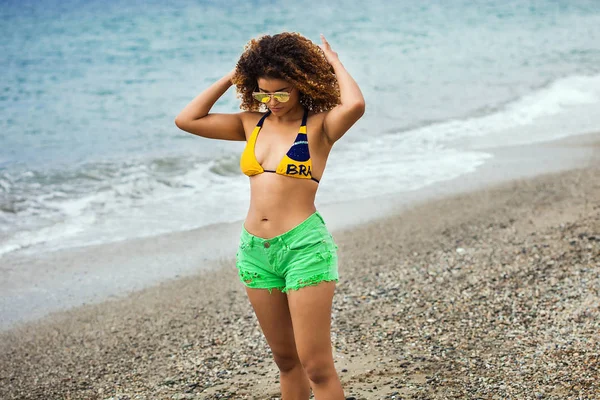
{"x":35,"y":285}
{"x":487,"y":292}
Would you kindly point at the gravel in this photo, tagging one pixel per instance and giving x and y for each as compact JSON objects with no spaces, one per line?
{"x":488,"y":295}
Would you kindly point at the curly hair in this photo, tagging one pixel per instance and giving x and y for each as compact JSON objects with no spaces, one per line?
{"x":293,"y":58}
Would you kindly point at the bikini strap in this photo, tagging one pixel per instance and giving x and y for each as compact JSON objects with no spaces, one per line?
{"x":304,"y":117}
{"x":262,"y":119}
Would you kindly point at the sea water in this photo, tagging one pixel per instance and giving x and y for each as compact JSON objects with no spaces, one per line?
{"x":89,"y":90}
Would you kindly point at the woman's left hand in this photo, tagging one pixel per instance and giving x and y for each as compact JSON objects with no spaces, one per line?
{"x":330,"y":55}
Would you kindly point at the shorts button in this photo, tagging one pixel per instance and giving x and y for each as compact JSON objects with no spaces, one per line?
{"x":267,"y":245}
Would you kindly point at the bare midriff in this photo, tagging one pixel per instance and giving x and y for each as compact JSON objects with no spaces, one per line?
{"x":278,"y":203}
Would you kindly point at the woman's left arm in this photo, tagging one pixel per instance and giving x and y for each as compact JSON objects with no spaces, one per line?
{"x":339,"y":119}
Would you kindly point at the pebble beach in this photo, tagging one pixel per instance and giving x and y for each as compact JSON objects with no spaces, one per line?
{"x":465,"y":202}
{"x":490,"y":294}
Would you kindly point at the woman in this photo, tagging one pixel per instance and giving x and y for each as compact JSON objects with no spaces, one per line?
{"x":287,"y":259}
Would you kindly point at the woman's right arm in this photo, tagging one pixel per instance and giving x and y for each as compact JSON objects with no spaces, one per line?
{"x":195,"y":117}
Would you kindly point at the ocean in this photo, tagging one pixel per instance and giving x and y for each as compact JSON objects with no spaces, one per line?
{"x":89,"y":152}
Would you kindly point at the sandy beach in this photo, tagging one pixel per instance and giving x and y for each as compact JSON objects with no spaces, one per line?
{"x":488,"y":294}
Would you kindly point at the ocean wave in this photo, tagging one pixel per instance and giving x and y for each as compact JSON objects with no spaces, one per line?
{"x":42,"y":205}
{"x":563,"y":107}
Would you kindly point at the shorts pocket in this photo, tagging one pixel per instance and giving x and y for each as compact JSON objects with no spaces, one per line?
{"x":306,"y":245}
{"x":242,"y":247}
{"x":312,"y":240}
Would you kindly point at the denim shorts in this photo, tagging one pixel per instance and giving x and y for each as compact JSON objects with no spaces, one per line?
{"x":303,"y":256}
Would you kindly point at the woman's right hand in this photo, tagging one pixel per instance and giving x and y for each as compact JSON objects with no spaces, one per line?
{"x":195,"y":117}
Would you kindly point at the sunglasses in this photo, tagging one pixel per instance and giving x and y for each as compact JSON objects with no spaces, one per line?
{"x":281,"y":97}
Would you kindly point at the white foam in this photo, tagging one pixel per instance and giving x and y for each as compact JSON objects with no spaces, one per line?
{"x":392,"y":164}
{"x":139,"y":204}
{"x":568,"y":106}
{"x":57,"y":232}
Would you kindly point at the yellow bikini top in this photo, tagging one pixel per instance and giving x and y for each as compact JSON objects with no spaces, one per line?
{"x":296,"y":163}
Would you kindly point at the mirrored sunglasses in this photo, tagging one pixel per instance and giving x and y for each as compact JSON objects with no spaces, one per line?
{"x":281,"y":97}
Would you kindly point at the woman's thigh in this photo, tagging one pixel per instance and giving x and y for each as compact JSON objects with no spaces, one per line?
{"x":310,"y":310}
{"x":272,"y":311}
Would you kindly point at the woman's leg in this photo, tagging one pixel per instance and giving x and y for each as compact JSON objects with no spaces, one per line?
{"x":310,"y":308}
{"x":274,"y":318}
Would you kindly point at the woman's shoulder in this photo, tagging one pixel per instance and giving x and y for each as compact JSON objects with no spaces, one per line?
{"x":250,"y":117}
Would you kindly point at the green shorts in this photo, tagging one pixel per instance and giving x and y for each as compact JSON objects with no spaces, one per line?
{"x":303,"y":256}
